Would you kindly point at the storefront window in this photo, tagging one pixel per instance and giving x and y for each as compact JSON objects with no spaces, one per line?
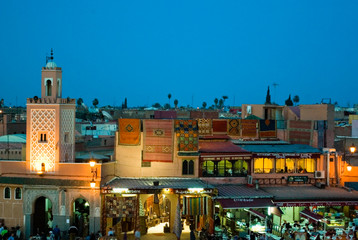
{"x":290,"y":164}
{"x":225,"y":168}
{"x":208,"y":168}
{"x":280,"y":165}
{"x":263,"y":165}
{"x":305,"y":165}
{"x":240,"y":168}
{"x":285,"y":165}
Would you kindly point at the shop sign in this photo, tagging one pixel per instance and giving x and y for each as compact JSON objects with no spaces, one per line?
{"x":297,"y":179}
{"x":129,"y":191}
{"x":312,"y":204}
{"x":243,"y":199}
{"x":289,"y":155}
{"x":223,"y":158}
{"x":207,"y":191}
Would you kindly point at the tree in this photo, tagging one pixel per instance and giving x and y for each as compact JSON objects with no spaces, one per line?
{"x":268,"y":96}
{"x":296,"y":99}
{"x":125,"y":103}
{"x":225,"y":97}
{"x":204,"y":105}
{"x":79,"y":102}
{"x":167,"y":106}
{"x":176,"y":103}
{"x":216,"y":102}
{"x":289,"y":102}
{"x":169,"y":97}
{"x":221,"y":103}
{"x":95,"y":102}
{"x":157,"y":105}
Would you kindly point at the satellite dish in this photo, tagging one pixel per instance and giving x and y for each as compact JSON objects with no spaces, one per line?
{"x":107,"y":115}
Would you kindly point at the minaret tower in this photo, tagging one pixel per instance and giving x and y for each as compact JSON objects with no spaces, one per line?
{"x":50,"y":129}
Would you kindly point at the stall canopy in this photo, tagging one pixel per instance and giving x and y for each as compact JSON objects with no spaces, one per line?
{"x":308,"y":214}
{"x":277,"y":211}
{"x":245,"y":203}
{"x":296,"y":196}
{"x":256,"y":213}
{"x":232,"y":196}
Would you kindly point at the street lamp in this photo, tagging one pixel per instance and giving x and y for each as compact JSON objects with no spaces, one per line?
{"x":352,"y":150}
{"x":94,"y":173}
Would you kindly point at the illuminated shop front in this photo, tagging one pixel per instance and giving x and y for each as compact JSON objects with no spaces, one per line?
{"x":151,"y":203}
{"x":332,"y":207}
{"x":223,"y":159}
{"x":286,"y":164}
{"x":282,"y":158}
{"x":239,"y":209}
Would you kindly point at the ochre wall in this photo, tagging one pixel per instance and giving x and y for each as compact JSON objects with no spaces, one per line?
{"x":129,"y":159}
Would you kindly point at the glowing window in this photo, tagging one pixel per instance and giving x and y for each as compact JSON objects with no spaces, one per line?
{"x":42,"y":137}
{"x":263,"y":165}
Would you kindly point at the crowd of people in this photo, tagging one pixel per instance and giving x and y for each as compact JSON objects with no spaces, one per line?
{"x":315,"y":231}
{"x":13,"y":233}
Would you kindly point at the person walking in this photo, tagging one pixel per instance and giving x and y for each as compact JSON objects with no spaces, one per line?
{"x":137,"y":234}
{"x":57,"y":232}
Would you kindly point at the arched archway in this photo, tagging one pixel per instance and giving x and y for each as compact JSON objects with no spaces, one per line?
{"x":42,"y":215}
{"x":80,"y":216}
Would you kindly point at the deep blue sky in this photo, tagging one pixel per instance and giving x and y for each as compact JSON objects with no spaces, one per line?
{"x":195,"y":50}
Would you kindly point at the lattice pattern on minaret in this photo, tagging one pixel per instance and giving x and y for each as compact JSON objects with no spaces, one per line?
{"x":67,"y":126}
{"x":42,"y":120}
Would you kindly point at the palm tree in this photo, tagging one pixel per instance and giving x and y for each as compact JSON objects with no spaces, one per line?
{"x":221,"y":103}
{"x":169,"y":97}
{"x":225,"y":97}
{"x":204,"y":105}
{"x":216,"y":102}
{"x":95,"y":102}
{"x":296,"y":99}
{"x":79,"y":102}
{"x":176,"y":103}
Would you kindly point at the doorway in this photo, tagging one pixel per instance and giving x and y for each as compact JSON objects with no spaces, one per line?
{"x":157,"y":210}
{"x":42,"y":217}
{"x":80,"y":216}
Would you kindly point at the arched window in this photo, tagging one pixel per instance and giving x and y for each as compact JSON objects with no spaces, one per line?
{"x":7,"y":193}
{"x":18,"y":193}
{"x":191,"y":167}
{"x":188,"y":167}
{"x":48,"y":88}
{"x":185,"y":167}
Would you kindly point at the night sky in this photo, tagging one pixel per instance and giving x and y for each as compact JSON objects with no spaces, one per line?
{"x":195,"y":50}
